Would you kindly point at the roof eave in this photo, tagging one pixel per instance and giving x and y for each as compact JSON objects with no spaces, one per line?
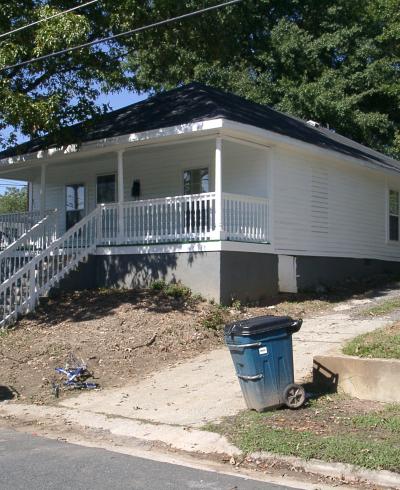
{"x":116,"y":142}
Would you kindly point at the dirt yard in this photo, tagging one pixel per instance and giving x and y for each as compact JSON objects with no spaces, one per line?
{"x":122,"y":335}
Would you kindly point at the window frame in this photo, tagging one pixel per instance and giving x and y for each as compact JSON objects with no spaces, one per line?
{"x":85,"y":195}
{"x":205,"y":167}
{"x":85,"y":203}
{"x":389,"y":214}
{"x":116,"y":187}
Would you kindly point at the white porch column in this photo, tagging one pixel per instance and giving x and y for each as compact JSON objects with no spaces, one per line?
{"x":218,"y":189}
{"x":120,"y":174}
{"x":42,"y":189}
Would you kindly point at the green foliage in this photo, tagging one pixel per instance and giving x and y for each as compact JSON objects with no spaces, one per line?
{"x":14,"y":200}
{"x":178,"y":291}
{"x":47,"y":95}
{"x":158,"y":285}
{"x":215,"y":318}
{"x":384,"y":307}
{"x":333,"y":61}
{"x":382,"y":343}
{"x":387,"y":419}
{"x":237,"y":305}
{"x":174,"y":290}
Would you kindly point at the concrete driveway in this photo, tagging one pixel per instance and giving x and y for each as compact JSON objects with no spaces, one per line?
{"x":205,"y":389}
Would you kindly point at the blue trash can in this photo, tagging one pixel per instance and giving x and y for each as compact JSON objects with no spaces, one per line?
{"x":262,"y":353}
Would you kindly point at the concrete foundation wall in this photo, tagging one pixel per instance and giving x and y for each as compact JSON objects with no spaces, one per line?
{"x":367,"y":379}
{"x":328,"y":271}
{"x":199,"y":271}
{"x":221,"y":276}
{"x":248,"y":276}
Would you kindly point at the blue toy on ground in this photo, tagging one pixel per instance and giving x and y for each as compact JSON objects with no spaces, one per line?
{"x":77,"y":375}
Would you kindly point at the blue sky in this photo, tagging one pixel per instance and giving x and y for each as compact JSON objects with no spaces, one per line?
{"x":116,"y":101}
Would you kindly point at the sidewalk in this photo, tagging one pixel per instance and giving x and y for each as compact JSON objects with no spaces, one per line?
{"x":206,"y":388}
{"x":167,"y":409}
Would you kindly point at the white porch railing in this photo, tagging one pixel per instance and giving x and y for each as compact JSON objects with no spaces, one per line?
{"x":39,"y":260}
{"x":27,"y":246}
{"x":183,"y":219}
{"x":13,"y":225}
{"x":245,"y":218}
{"x":169,"y":219}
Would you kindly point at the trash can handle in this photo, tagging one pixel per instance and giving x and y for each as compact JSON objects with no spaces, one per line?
{"x":244,"y":346}
{"x":251,"y":378}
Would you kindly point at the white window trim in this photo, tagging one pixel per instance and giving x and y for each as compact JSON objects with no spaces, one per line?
{"x":105,"y":174}
{"x":190,"y":169}
{"x":85,"y":195}
{"x":387,"y":209}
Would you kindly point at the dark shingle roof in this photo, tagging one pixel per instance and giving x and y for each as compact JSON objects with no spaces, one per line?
{"x":196,"y":102}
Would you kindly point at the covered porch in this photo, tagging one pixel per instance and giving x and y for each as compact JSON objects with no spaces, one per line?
{"x":207,"y":188}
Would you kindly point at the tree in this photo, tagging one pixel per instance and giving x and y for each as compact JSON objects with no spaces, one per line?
{"x":335,"y":61}
{"x":14,"y":200}
{"x":48,"y":95}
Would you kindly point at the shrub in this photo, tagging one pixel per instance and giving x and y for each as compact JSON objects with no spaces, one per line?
{"x":177,"y":291}
{"x":215,"y":319}
{"x":158,"y":285}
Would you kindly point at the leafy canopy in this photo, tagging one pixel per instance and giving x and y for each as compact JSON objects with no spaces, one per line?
{"x":14,"y":200}
{"x":335,"y":61}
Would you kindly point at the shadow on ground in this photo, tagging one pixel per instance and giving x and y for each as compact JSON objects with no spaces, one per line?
{"x":6,"y":393}
{"x":373,"y":287}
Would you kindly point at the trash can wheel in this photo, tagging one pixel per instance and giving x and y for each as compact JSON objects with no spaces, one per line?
{"x":294,"y":396}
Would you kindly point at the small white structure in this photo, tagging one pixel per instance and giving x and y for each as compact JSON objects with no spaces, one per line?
{"x":232,"y":198}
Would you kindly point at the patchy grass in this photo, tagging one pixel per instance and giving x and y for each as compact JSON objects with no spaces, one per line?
{"x":383,"y":343}
{"x":384,"y":308}
{"x":388,"y":419}
{"x":327,"y":430}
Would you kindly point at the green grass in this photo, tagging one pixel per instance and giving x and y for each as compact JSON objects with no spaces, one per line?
{"x":388,"y":420}
{"x":384,"y":308}
{"x":250,"y":431}
{"x":382,"y":343}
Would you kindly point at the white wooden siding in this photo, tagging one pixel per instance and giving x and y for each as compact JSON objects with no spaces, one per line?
{"x":160,"y":171}
{"x":326,"y":208}
{"x":244,"y":169}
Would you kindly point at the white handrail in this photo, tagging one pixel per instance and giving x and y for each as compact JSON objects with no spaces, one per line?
{"x":13,"y":225}
{"x":31,"y":243}
{"x":20,"y":292}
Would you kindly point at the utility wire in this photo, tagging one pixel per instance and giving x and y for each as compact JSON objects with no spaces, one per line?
{"x":47,"y":18}
{"x":121,"y":34}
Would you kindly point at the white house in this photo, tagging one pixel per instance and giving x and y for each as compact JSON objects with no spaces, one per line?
{"x":232,"y":198}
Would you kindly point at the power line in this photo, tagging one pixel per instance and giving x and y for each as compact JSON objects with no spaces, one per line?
{"x":121,"y":34}
{"x":47,"y":18}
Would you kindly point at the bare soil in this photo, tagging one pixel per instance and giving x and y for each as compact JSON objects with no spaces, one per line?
{"x":121,"y":335}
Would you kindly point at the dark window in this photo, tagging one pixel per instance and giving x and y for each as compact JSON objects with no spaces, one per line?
{"x":106,"y":189}
{"x":394,"y":212}
{"x":195,"y":181}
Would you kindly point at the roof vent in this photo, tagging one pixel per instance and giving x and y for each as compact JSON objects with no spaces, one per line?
{"x":312,"y":123}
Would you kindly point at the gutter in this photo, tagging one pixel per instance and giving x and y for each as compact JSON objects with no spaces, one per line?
{"x":221,"y":126}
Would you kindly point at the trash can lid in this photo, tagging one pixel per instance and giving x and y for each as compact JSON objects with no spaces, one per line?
{"x":261,"y":324}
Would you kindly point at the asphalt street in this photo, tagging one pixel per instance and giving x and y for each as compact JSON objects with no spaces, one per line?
{"x":31,"y":462}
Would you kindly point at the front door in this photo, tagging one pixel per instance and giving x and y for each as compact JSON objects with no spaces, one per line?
{"x":74,"y":204}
